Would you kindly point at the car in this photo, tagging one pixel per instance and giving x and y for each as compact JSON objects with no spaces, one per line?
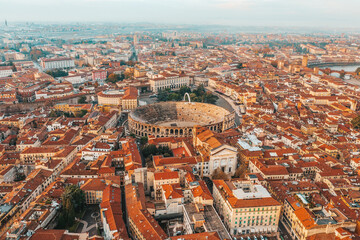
{"x":241,"y":238}
{"x":255,"y":238}
{"x":248,"y":238}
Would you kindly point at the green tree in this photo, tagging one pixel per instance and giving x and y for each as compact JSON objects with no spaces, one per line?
{"x":53,"y":114}
{"x":143,"y":140}
{"x":73,"y":201}
{"x":82,"y":100}
{"x":151,"y":150}
{"x":184,"y":89}
{"x":12,"y":141}
{"x":163,"y":95}
{"x":57,"y":73}
{"x":174,"y":97}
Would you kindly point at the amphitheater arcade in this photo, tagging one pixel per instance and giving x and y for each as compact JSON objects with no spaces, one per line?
{"x":177,"y":119}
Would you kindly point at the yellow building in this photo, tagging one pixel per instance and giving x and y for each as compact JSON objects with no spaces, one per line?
{"x":127,"y":98}
{"x":73,"y":108}
{"x":246,"y":207}
{"x":301,"y":223}
{"x":93,"y":189}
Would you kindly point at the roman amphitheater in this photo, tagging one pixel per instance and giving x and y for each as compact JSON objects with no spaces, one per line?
{"x":177,"y":119}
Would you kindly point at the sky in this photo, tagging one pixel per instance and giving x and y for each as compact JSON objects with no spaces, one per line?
{"x":282,"y":13}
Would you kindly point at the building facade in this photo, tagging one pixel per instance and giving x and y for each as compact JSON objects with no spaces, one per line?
{"x":169,"y":81}
{"x":57,"y":63}
{"x":246,"y":207}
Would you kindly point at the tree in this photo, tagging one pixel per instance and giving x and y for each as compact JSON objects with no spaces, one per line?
{"x":127,"y":75}
{"x":35,"y":54}
{"x":357,"y":71}
{"x":219,"y":174}
{"x":162,"y":95}
{"x":143,"y":140}
{"x":57,"y":73}
{"x":82,"y":100}
{"x":114,"y":78}
{"x":241,"y":170}
{"x":13,"y":67}
{"x":151,"y":150}
{"x":198,"y":95}
{"x":12,"y":141}
{"x":73,"y":200}
{"x":239,"y":66}
{"x":356,"y":122}
{"x":116,"y":146}
{"x":53,"y":114}
{"x":82,"y":113}
{"x":184,"y":89}
{"x":174,"y":97}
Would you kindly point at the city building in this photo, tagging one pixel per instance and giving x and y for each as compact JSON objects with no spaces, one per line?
{"x":57,"y":63}
{"x":126,"y":99}
{"x":5,"y":71}
{"x":169,"y":81}
{"x":246,"y":208}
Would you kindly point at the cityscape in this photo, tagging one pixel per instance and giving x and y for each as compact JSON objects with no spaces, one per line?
{"x":179,"y":129}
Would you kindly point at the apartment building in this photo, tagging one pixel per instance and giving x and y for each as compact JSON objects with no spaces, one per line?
{"x":246,"y":207}
{"x":57,"y":63}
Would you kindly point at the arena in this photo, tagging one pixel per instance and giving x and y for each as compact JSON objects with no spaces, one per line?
{"x":177,"y":119}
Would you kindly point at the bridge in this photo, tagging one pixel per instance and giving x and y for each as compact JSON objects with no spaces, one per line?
{"x":329,"y":71}
{"x":319,"y":63}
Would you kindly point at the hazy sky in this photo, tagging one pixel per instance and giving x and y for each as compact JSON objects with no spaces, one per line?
{"x":315,"y":13}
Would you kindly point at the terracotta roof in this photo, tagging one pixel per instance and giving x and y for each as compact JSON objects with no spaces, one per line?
{"x":166,"y":175}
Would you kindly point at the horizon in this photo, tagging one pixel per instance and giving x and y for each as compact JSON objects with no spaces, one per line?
{"x":233,"y":13}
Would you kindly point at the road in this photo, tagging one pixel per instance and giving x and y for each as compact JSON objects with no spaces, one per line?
{"x":283,"y":232}
{"x":228,"y":104}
